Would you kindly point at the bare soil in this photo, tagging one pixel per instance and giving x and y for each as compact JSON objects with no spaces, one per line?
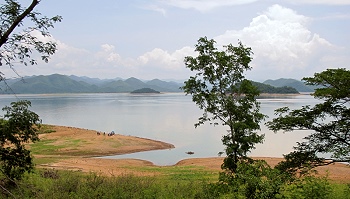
{"x":81,"y":157}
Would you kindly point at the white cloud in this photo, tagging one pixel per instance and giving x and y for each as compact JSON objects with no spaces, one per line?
{"x":108,"y":54}
{"x":281,"y":41}
{"x":163,"y":59}
{"x":204,"y":5}
{"x":108,"y":63}
{"x":156,"y":8}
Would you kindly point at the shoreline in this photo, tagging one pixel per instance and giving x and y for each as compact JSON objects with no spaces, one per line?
{"x":85,"y":155}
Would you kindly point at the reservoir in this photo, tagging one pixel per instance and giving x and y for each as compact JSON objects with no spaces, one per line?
{"x":167,"y":117}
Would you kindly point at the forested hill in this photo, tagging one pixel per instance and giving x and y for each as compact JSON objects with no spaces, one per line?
{"x":298,"y":85}
{"x":265,"y":88}
{"x":57,"y":83}
{"x":72,"y":84}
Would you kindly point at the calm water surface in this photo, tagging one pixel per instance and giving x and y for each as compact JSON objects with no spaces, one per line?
{"x":168,"y":117}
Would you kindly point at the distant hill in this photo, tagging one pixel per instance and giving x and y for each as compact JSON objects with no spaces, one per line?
{"x":265,"y":88}
{"x":144,"y":90}
{"x":57,"y":83}
{"x":94,"y":81}
{"x":298,"y":85}
{"x":50,"y":84}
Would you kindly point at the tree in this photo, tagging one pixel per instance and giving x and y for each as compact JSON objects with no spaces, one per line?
{"x":329,"y":120}
{"x":18,"y":126}
{"x":19,"y":45}
{"x":226,"y":97}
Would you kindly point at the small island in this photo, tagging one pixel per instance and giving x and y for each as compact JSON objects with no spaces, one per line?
{"x":145,"y":90}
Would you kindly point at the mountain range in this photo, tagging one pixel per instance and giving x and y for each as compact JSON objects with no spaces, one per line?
{"x":298,"y":85}
{"x":57,"y":83}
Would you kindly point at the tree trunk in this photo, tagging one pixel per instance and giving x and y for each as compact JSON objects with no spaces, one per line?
{"x":5,"y":36}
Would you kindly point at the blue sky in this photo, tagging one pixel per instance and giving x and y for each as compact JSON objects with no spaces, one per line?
{"x":148,"y":39}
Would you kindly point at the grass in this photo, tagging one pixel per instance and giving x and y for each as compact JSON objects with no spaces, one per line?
{"x":46,"y":160}
{"x":52,"y":146}
{"x":168,"y":182}
{"x":44,"y":128}
{"x":45,"y":147}
{"x":180,"y":173}
{"x":179,"y":183}
{"x":68,"y":184}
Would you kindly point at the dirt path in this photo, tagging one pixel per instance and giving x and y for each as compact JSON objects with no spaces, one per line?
{"x":80,"y":145}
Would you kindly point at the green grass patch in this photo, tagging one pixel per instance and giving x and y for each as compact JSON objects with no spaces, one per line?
{"x":181,"y":173}
{"x":46,"y":160}
{"x":52,"y":147}
{"x":45,"y":147}
{"x":44,"y":128}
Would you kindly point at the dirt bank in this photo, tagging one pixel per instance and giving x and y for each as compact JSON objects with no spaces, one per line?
{"x":80,"y":145}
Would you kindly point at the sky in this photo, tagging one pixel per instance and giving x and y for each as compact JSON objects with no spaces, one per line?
{"x":149,"y":39}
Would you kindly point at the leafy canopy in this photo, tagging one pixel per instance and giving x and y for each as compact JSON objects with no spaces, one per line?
{"x":18,"y":126}
{"x":226,"y":97}
{"x":329,"y":120}
{"x":17,"y":41}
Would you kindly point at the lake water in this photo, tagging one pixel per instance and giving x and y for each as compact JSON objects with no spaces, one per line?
{"x":168,"y":117}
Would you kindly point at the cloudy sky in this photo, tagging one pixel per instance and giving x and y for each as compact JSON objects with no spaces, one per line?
{"x":148,"y":39}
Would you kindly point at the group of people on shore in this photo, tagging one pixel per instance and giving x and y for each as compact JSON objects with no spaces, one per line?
{"x":104,"y":133}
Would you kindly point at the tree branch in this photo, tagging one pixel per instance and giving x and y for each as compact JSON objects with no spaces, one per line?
{"x":18,"y":20}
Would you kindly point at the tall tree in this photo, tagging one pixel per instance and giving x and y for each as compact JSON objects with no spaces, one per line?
{"x":329,"y":120}
{"x":220,"y":89}
{"x":17,"y":41}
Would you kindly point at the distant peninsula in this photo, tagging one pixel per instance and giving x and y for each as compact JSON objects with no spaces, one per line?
{"x":145,"y":90}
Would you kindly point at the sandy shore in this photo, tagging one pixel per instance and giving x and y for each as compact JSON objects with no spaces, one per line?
{"x":81,"y":156}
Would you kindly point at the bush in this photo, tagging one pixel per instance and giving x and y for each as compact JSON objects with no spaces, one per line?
{"x":308,"y":188}
{"x":255,"y":179}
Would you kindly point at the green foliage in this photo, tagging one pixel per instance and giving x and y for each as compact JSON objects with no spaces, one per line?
{"x":145,"y":90}
{"x":298,"y":85}
{"x":18,"y":126}
{"x":340,"y":191}
{"x":308,"y":188}
{"x":329,"y":119}
{"x":265,"y":88}
{"x":68,"y":184}
{"x":20,"y":44}
{"x":226,"y":97}
{"x":57,"y":83}
{"x":255,"y":179}
{"x":261,"y":181}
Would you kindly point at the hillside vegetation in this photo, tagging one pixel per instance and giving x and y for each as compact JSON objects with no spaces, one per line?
{"x":298,"y":85}
{"x":57,"y":83}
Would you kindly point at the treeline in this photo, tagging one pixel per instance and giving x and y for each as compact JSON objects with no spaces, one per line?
{"x":265,"y":88}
